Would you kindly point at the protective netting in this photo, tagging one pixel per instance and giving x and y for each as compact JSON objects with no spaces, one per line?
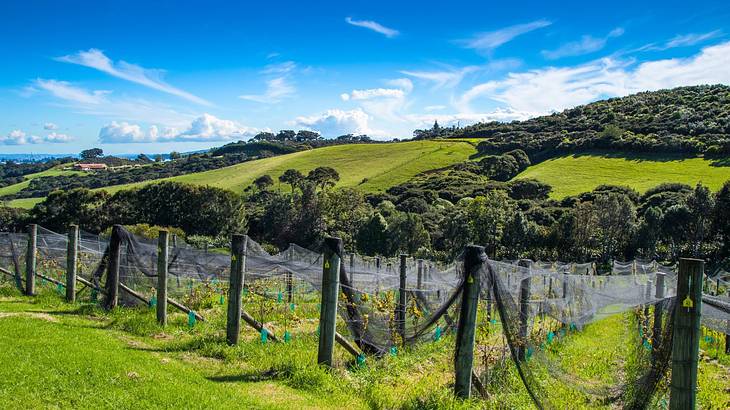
{"x":390,"y":303}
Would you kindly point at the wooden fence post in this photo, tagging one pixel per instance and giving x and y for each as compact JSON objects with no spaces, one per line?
{"x":524,"y":312}
{"x":30,"y":259}
{"x":238,"y":263}
{"x":656,"y":333}
{"x":112,"y":274}
{"x":466,"y":330}
{"x":352,"y":269}
{"x":289,"y":287}
{"x":162,"y":251}
{"x":419,"y":283}
{"x":400,"y":310}
{"x":72,"y":255}
{"x":330,"y":292}
{"x":686,"y":340}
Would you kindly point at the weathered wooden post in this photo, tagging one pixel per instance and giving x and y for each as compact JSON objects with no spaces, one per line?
{"x":352,"y":269}
{"x":289,"y":286}
{"x":466,"y":330}
{"x":647,"y":297}
{"x":656,"y":334}
{"x":400,"y":310}
{"x":419,"y":280}
{"x":524,"y":312}
{"x":686,"y":340}
{"x":377,"y":276}
{"x":112,"y":274}
{"x":72,"y":255}
{"x":235,"y":287}
{"x":30,"y":259}
{"x":330,"y":292}
{"x":162,"y":252}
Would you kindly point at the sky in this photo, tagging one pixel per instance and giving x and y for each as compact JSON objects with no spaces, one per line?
{"x":161,"y":76}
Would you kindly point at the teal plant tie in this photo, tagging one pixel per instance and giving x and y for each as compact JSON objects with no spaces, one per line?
{"x":222,"y":299}
{"x":437,"y":334}
{"x":292,"y":306}
{"x":153,"y":301}
{"x":393,"y":351}
{"x":280,"y":297}
{"x":550,"y":337}
{"x":264,"y":336}
{"x":573,"y":327}
{"x":287,"y":336}
{"x":59,"y":288}
{"x":94,"y":295}
{"x":493,"y":321}
{"x":192,"y":319}
{"x":360,"y":360}
{"x":562,"y":332}
{"x":647,"y":345}
{"x":245,"y":291}
{"x":529,"y":353}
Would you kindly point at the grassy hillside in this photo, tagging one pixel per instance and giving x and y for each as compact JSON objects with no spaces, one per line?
{"x":370,"y":167}
{"x":12,"y":189}
{"x":573,"y":174}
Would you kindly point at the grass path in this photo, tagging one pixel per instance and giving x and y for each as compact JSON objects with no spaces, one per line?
{"x":574,"y":174}
{"x":54,"y":360}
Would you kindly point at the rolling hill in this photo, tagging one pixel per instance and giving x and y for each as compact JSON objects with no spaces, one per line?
{"x":370,"y":167}
{"x":574,"y":174}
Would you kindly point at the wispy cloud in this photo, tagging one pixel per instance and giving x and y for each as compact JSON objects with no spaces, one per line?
{"x":550,"y":89}
{"x":587,"y":44}
{"x":333,"y":123}
{"x":374,"y":26}
{"x":451,"y":77}
{"x":277,"y":89}
{"x":151,"y":78}
{"x":691,"y":39}
{"x":66,"y":91}
{"x":488,"y":41}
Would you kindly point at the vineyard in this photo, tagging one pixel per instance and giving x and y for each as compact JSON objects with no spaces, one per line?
{"x":395,"y":332}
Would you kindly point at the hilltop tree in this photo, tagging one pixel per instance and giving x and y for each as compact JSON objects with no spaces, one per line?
{"x":701,"y":206}
{"x":292,"y":177}
{"x":92,"y":153}
{"x":372,"y":237}
{"x":175,"y":155}
{"x":722,"y":217}
{"x":615,"y":216}
{"x":263,"y":182}
{"x":323,"y":177}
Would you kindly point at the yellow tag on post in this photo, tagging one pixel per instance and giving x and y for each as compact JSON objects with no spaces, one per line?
{"x":326,"y":264}
{"x":687,"y":302}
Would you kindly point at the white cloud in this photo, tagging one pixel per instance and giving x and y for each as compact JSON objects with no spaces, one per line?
{"x":277,"y":89}
{"x":552,"y":89}
{"x":151,"y":78}
{"x":691,"y":39}
{"x":280,"y":68}
{"x":587,"y":44}
{"x":371,"y":93}
{"x":204,"y":128}
{"x":462,"y":119}
{"x":434,"y":107}
{"x":374,"y":26}
{"x":18,"y":137}
{"x":490,"y":40}
{"x":68,"y":92}
{"x":445,"y":78}
{"x":50,"y":126}
{"x":404,"y":84}
{"x":333,"y":123}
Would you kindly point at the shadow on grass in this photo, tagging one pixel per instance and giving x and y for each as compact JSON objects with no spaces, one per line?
{"x":252,"y":376}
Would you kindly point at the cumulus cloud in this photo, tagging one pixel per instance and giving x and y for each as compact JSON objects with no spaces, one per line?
{"x":462,"y":119}
{"x":587,"y":44}
{"x":333,"y":123}
{"x":374,"y":26}
{"x":152,"y":78}
{"x":204,"y":128}
{"x":552,"y":89}
{"x":50,"y":126}
{"x":18,"y":137}
{"x":488,"y":41}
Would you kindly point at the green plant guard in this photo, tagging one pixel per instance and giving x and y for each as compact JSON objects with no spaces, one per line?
{"x":287,"y":336}
{"x":280,"y":297}
{"x":264,"y":336}
{"x":292,"y":306}
{"x":360,"y":360}
{"x":222,"y":299}
{"x":393,"y":351}
{"x":529,"y":353}
{"x":437,"y":334}
{"x":94,"y":295}
{"x":153,"y":301}
{"x":550,"y":337}
{"x":59,"y":288}
{"x":192,"y":319}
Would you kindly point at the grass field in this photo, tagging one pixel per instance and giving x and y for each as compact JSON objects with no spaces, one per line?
{"x":13,"y":189}
{"x":370,"y":167}
{"x":60,"y":355}
{"x":574,"y":174}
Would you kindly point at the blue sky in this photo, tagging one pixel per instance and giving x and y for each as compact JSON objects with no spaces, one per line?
{"x":159,"y":76}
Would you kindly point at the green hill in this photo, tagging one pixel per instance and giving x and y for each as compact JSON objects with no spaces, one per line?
{"x":573,"y":174}
{"x":370,"y":167}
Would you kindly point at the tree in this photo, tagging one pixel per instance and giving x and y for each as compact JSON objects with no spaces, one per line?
{"x":158,"y":158}
{"x":286,"y":135}
{"x":77,"y":206}
{"x":372,"y":237}
{"x":722,"y":217}
{"x":264,"y":136}
{"x":615,"y":216}
{"x":263,"y":182}
{"x":406,"y":233}
{"x":92,"y":153}
{"x":701,"y":205}
{"x":304,"y":135}
{"x":488,"y":215}
{"x":143,"y":158}
{"x":650,"y":231}
{"x":323,"y":177}
{"x":292,"y":177}
{"x":344,"y":211}
{"x":175,"y":155}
